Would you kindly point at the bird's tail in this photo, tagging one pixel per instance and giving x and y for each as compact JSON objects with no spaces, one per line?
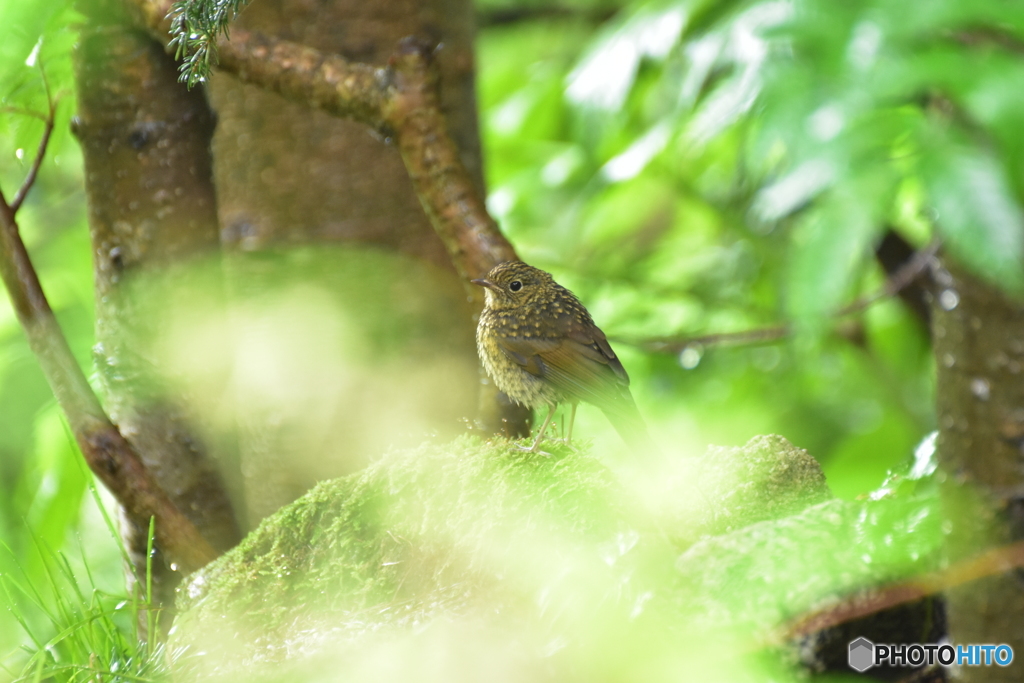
{"x":630,"y":425}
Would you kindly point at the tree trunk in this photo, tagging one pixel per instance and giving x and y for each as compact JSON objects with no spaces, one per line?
{"x":310,"y":209}
{"x":289,"y":176}
{"x":145,"y":141}
{"x":978,"y":334}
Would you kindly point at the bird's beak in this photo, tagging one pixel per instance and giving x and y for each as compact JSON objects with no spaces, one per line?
{"x":484,"y":283}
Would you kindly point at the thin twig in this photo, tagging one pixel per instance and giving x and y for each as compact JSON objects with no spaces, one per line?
{"x":899,"y":280}
{"x":990,"y":35}
{"x":22,"y":111}
{"x":760,"y":335}
{"x":44,"y":142}
{"x":501,"y":16}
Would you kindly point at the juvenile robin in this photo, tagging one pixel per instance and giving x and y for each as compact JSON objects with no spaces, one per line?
{"x":541,"y":347}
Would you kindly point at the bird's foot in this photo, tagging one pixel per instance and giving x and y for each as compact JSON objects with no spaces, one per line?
{"x":532,"y":449}
{"x":562,"y":443}
{"x":567,"y":443}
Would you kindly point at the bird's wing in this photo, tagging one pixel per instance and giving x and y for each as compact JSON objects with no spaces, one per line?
{"x":593,"y":338}
{"x":581,"y":366}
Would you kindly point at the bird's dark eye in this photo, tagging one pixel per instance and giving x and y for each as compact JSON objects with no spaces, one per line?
{"x":515,"y":285}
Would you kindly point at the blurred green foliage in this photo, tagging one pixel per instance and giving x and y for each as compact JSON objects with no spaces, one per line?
{"x":702,"y":167}
{"x":77,"y":628}
{"x":42,"y":476}
{"x":548,"y":568}
{"x":687,"y":168}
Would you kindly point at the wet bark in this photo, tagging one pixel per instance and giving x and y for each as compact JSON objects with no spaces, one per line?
{"x":978,"y":334}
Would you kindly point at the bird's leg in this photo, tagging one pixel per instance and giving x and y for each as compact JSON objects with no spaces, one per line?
{"x":572,"y":419}
{"x":543,"y":428}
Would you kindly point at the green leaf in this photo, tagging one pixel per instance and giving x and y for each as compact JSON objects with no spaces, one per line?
{"x":975,"y":212}
{"x":828,"y":244}
{"x":24,"y":23}
{"x":604,"y":77}
{"x":54,"y":482}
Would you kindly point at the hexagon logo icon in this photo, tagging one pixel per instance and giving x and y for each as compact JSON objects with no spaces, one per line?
{"x":861,"y":655}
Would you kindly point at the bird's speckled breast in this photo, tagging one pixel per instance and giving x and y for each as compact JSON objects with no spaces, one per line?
{"x":510,"y":377}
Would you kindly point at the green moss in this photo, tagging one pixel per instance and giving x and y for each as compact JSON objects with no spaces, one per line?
{"x":730,"y":488}
{"x":765,"y":574}
{"x":475,"y":547}
{"x":397,"y":537}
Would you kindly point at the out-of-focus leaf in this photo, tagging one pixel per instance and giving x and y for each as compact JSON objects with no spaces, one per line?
{"x":828,"y":244}
{"x":862,"y":459}
{"x":51,"y":491}
{"x":975,"y":211}
{"x":744,"y":49}
{"x":532,"y":111}
{"x":795,"y":189}
{"x":603,"y":78}
{"x":35,"y":68}
{"x":24,"y":22}
{"x":632,"y":161}
{"x":626,"y":219}
{"x":995,"y":97}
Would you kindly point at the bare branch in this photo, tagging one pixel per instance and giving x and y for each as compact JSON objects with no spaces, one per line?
{"x":761,"y":335}
{"x":902,"y":278}
{"x":448,"y":194}
{"x":899,"y":280}
{"x":985,"y":36}
{"x":342,"y":88}
{"x":21,"y":111}
{"x":345,"y":89}
{"x":400,"y":101}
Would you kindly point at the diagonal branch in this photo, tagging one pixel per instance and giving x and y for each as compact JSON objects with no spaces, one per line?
{"x":448,"y":194}
{"x":106,"y":451}
{"x":400,"y":101}
{"x":341,"y":88}
{"x":902,"y":278}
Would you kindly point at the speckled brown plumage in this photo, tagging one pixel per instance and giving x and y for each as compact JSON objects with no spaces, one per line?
{"x":541,"y":347}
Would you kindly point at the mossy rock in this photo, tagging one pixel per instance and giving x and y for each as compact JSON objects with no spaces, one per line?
{"x":549,"y":564}
{"x":422,"y":529}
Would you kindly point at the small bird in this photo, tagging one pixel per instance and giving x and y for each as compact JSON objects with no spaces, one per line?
{"x":541,"y":347}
